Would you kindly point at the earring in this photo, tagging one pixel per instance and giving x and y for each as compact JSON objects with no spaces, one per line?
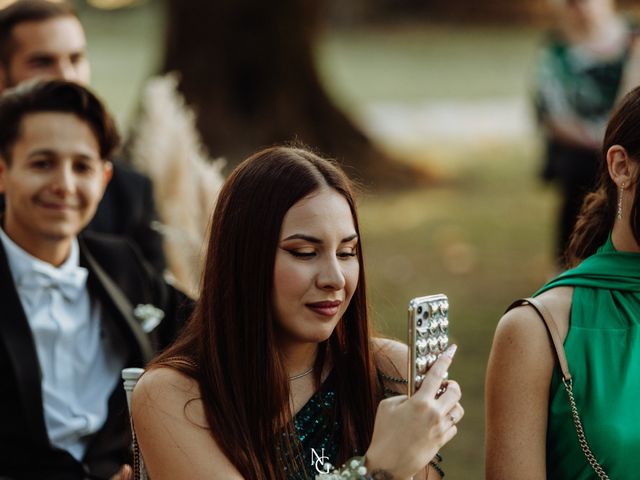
{"x":620,"y":194}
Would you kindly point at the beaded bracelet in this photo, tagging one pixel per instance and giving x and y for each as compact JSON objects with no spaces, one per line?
{"x":353,"y":469}
{"x":436,"y":466}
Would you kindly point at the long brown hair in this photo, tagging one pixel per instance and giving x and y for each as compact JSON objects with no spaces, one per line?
{"x":230,"y":338}
{"x":599,"y":208}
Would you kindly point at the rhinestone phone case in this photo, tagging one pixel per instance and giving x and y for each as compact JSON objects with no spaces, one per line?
{"x":428,"y":335}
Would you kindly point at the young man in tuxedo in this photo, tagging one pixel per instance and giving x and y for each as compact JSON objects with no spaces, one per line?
{"x":75,"y":308}
{"x":41,"y":38}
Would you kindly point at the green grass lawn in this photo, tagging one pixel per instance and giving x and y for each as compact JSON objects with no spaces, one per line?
{"x":414,"y":63}
{"x":482,"y":239}
{"x":482,"y":235}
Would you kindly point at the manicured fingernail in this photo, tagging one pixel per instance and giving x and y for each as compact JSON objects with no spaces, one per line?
{"x":451,"y":351}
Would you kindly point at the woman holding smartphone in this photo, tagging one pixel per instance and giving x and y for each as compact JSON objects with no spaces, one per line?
{"x":278,"y":375}
{"x":562,"y":400}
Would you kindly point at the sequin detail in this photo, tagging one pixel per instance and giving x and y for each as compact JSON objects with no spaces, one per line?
{"x":317,"y":427}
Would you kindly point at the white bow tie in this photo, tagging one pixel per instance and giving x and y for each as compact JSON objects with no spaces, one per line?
{"x":69,"y":281}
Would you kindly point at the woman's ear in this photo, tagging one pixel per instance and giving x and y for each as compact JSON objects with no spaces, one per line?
{"x":621,"y":168}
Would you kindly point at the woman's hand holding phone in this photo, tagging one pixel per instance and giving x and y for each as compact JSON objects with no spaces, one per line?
{"x":408,"y":432}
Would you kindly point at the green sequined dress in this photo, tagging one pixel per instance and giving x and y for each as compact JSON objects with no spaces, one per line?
{"x":317,"y":426}
{"x":603,"y":352}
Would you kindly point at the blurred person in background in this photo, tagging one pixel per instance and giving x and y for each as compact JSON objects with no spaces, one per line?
{"x":40,"y":38}
{"x":588,"y":61}
{"x":75,"y":308}
{"x":563,"y":378}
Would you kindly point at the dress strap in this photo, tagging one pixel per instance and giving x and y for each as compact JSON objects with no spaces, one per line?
{"x":552,"y":329}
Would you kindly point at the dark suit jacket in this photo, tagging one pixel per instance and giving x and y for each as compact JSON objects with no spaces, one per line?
{"x":120,"y":279}
{"x":128,"y":209}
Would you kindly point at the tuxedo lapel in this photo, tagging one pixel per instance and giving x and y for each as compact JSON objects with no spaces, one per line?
{"x":17,"y":340}
{"x":117,"y":301}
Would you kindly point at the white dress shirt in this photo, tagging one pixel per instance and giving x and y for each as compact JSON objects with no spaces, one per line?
{"x":79,"y":359}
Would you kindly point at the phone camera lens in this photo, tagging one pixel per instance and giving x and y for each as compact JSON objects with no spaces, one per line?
{"x":419,"y":322}
{"x":420,"y":309}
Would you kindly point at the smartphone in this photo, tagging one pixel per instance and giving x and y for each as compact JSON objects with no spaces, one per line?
{"x":428,"y":335}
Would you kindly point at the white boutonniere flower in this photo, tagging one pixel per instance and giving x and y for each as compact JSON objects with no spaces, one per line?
{"x":148,"y":316}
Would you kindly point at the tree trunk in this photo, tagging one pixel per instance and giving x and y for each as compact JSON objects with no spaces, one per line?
{"x":247,"y":67}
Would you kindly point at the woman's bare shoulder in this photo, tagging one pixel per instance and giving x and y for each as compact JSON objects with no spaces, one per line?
{"x":524,"y":320}
{"x":522,"y":345}
{"x":390,"y":349}
{"x":386,"y":345}
{"x":391,"y":358}
{"x":172,"y":429}
{"x":165,"y":391}
{"x":164,"y":382}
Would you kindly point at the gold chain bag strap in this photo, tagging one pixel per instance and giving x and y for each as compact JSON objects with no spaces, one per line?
{"x":139,"y":472}
{"x":566,"y":379}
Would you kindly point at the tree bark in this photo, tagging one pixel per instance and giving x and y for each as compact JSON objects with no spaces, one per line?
{"x":247,"y":68}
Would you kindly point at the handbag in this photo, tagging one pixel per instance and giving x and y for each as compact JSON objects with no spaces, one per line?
{"x":567,"y":380}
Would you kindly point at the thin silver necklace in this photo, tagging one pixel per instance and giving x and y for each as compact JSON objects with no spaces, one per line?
{"x":300,"y":375}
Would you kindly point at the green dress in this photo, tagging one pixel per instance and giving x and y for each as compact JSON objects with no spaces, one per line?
{"x":603,"y":352}
{"x":317,"y":430}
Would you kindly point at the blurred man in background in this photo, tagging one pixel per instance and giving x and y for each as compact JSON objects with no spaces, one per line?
{"x":40,"y":38}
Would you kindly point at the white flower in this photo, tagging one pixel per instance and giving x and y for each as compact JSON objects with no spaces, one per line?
{"x":148,"y":316}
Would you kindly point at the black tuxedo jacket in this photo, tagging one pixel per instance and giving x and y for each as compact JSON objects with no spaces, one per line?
{"x":128,"y":209}
{"x":120,"y":279}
